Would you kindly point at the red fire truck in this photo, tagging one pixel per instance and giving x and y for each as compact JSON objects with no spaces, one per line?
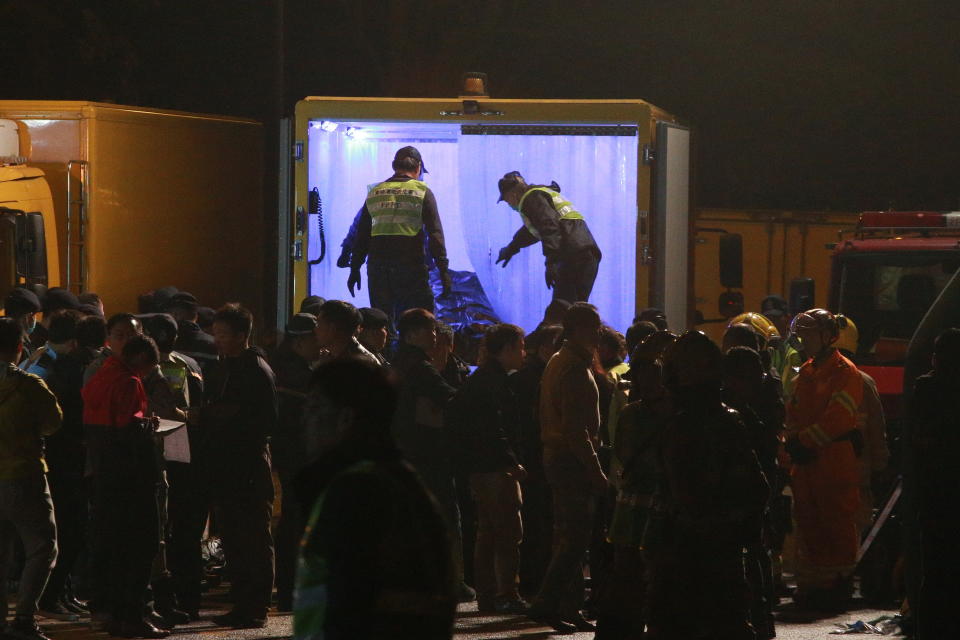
{"x":886,"y":278}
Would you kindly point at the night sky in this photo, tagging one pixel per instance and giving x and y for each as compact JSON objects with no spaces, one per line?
{"x":802,"y":104}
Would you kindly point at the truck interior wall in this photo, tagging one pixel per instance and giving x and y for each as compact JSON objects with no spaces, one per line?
{"x":597,"y":173}
{"x":175,"y":201}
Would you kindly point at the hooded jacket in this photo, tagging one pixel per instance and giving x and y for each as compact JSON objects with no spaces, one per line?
{"x":28,"y":412}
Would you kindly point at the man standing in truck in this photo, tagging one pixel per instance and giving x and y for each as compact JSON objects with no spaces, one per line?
{"x":572,"y":255}
{"x":393,"y":221}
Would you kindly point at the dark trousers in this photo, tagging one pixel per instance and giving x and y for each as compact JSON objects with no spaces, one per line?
{"x":573,"y":518}
{"x":289,"y":533}
{"x":537,"y":535}
{"x":243,"y":511}
{"x":438,"y":480}
{"x":575,"y":278}
{"x":26,"y":511}
{"x":126,"y":538}
{"x":188,"y":508}
{"x":496,"y":558}
{"x":396,"y":287}
{"x":70,"y":504}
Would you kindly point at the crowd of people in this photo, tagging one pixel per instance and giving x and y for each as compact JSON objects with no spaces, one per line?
{"x":640,"y":484}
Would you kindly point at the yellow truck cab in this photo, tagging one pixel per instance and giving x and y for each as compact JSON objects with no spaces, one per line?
{"x":28,"y":255}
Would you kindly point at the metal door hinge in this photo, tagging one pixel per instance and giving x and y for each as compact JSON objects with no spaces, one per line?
{"x":296,"y":251}
{"x":298,"y":150}
{"x":647,"y":154}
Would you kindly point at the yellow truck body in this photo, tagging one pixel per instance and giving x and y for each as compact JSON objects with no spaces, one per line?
{"x":134,"y":199}
{"x":778,"y":247}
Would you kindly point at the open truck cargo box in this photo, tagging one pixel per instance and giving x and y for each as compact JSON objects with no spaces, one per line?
{"x":149,"y":198}
{"x":623,"y":163}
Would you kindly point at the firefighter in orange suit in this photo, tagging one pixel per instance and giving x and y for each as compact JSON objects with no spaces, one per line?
{"x":824,"y":444}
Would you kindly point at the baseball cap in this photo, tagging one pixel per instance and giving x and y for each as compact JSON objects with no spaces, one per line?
{"x":20,"y":302}
{"x":774,"y":306}
{"x":373,"y":318}
{"x":508,"y":182}
{"x":410,"y":152}
{"x":301,"y":324}
{"x":58,"y":298}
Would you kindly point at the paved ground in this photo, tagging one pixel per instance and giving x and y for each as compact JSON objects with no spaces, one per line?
{"x":470,"y":626}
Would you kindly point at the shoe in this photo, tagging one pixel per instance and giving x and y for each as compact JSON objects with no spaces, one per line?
{"x":552,"y":620}
{"x":56,"y":611}
{"x":236,"y":620}
{"x":137,"y":629}
{"x":466,"y":593}
{"x":157,"y":620}
{"x":73,"y":605}
{"x":24,"y":629}
{"x":517,"y":607}
{"x":486,"y":607}
{"x":173,"y":617}
{"x":580,"y":623}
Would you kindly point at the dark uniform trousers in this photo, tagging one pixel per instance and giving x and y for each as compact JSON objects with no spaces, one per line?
{"x":395,"y":287}
{"x":575,"y":277}
{"x":243,"y":504}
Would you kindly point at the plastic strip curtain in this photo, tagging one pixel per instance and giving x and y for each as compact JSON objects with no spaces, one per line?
{"x":343,"y":168}
{"x":598,"y":174}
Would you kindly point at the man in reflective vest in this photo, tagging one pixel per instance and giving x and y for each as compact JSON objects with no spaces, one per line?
{"x":572,"y":255}
{"x":824,"y":444}
{"x":393,"y":221}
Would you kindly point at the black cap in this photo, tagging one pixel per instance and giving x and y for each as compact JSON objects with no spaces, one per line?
{"x":774,"y":306}
{"x":508,"y":182}
{"x":58,"y":298}
{"x":301,"y":324}
{"x":21,"y":302}
{"x":409,"y":152}
{"x":182,"y":300}
{"x":154,"y":323}
{"x":311,"y":304}
{"x":373,"y":318}
{"x":90,"y":310}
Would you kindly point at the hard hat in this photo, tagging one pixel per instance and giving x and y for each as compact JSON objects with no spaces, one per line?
{"x":760,"y":323}
{"x":652,"y":347}
{"x":692,"y":361}
{"x":819,"y":319}
{"x":849,"y":335}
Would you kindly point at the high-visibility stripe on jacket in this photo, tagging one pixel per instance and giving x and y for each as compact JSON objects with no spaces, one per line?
{"x":564,"y":209}
{"x":396,"y":208}
{"x":825,"y":402}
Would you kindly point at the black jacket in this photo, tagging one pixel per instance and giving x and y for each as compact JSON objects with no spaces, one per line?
{"x":194,"y":342}
{"x":406,"y":250}
{"x":482,"y":419}
{"x":239,"y":414}
{"x":293,"y":373}
{"x":562,"y":240}
{"x":526,"y":387}
{"x":418,"y":426}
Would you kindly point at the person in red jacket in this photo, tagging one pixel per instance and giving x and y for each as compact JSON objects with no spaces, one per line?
{"x":823,"y":442}
{"x":123,"y":465}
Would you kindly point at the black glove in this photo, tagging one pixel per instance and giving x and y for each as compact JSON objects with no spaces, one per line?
{"x":505,"y":254}
{"x":344,"y":260}
{"x":551,"y":274}
{"x":446,"y":283}
{"x":353,"y":281}
{"x":799,"y":454}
